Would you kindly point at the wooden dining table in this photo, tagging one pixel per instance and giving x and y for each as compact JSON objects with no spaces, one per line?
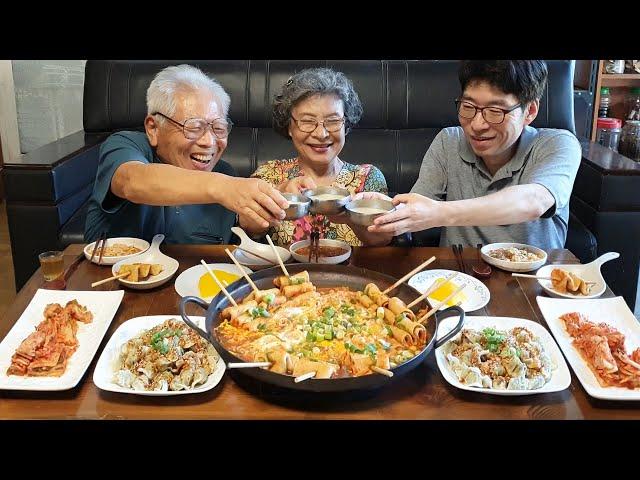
{"x":422,"y":393}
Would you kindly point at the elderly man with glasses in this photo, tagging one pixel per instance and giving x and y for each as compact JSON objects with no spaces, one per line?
{"x":495,"y":178}
{"x":171,"y":179}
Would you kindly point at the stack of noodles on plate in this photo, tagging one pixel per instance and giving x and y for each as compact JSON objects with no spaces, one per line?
{"x":45,"y":352}
{"x":335,"y":332}
{"x":602,"y":346}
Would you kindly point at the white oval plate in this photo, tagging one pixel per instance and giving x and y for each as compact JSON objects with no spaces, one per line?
{"x":103,"y":374}
{"x":560,"y":378}
{"x":326,"y":260}
{"x":136,"y":242}
{"x":476,"y":292}
{"x":513,"y":266}
{"x":250,"y":260}
{"x":587,"y":274}
{"x":187,"y":282}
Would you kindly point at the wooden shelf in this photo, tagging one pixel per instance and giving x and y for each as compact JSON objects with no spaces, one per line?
{"x":620,"y":80}
{"x":620,"y":76}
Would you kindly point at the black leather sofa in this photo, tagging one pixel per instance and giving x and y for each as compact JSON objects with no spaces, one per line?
{"x":406,"y":103}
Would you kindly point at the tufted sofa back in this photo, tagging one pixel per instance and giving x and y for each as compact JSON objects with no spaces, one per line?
{"x":406,"y":103}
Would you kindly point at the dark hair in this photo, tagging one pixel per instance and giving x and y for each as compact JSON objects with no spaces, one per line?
{"x":526,"y":79}
{"x":310,"y":82}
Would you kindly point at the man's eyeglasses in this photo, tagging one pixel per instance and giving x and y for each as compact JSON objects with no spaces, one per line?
{"x":194,"y":128}
{"x":309,"y":125}
{"x":493,"y":115}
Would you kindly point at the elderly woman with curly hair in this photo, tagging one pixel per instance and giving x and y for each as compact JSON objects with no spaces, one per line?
{"x":316,"y":109}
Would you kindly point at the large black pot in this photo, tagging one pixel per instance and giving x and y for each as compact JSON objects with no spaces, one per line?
{"x":321,"y":276}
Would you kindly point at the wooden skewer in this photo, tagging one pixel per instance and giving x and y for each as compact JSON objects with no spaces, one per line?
{"x":277,"y":255}
{"x":305,"y":376}
{"x":120,"y":275}
{"x":412,"y":272}
{"x":246,"y":276}
{"x":440,"y":304}
{"x":382,"y":371}
{"x":435,"y":286}
{"x":224,"y":290}
{"x":540,"y":278}
{"x":255,"y":255}
{"x":248,"y":364}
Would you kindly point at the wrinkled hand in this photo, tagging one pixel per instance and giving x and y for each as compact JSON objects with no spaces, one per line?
{"x":296,"y":185}
{"x":255,"y":201}
{"x":414,"y":212}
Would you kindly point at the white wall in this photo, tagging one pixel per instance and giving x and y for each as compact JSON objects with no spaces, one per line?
{"x":48,"y":97}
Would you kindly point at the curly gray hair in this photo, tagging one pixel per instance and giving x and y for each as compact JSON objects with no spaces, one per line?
{"x":310,"y":82}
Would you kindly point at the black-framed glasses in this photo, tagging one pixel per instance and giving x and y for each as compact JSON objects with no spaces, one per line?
{"x":493,"y":115}
{"x":194,"y":128}
{"x":309,"y":125}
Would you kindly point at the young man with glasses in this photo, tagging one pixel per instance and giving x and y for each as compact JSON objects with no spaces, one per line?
{"x":503,"y":180}
{"x":171,"y":179}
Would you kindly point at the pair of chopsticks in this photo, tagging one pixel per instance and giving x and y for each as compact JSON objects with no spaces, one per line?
{"x":457,"y":252}
{"x":101,"y":239}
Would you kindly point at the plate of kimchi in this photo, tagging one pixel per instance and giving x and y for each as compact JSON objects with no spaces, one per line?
{"x":601,"y":340}
{"x":53,"y":342}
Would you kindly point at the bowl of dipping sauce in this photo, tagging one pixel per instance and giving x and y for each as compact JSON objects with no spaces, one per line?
{"x":365,"y":211}
{"x":327,"y":200}
{"x":330,"y":251}
{"x":298,"y":206}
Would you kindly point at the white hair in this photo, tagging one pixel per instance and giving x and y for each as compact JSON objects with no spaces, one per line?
{"x":162,"y":90}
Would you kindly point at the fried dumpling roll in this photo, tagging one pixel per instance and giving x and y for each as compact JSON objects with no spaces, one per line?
{"x":242,"y":321}
{"x":374,"y":293}
{"x":293,"y":290}
{"x":389,"y":317}
{"x":401,"y":336}
{"x":280,"y":360}
{"x":364,"y":300}
{"x":418,"y":331}
{"x":297,"y":279}
{"x":267,"y":296}
{"x":398,"y":307}
{"x":232,"y":312}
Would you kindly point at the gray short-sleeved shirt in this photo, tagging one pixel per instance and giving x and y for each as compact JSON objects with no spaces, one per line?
{"x":550,"y":157}
{"x":121,"y":218}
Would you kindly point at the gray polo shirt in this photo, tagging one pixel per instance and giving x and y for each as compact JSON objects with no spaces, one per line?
{"x":550,"y":157}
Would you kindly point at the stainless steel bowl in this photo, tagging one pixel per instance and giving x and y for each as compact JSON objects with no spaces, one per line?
{"x":327,"y":207}
{"x":298,"y":206}
{"x":366,"y":219}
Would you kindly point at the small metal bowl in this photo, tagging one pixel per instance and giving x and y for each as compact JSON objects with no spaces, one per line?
{"x":327,"y":207}
{"x":298,"y":206}
{"x":366,"y":219}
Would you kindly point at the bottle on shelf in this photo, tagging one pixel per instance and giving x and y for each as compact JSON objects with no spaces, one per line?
{"x":605,"y":101}
{"x":614,"y":66}
{"x":608,"y":132}
{"x":632,"y":102}
{"x":630,"y":140}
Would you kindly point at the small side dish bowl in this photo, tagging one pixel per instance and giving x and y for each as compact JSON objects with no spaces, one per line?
{"x":365,"y":211}
{"x":327,"y":200}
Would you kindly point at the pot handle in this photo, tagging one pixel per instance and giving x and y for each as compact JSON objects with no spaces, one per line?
{"x":448,"y":312}
{"x":187,"y":320}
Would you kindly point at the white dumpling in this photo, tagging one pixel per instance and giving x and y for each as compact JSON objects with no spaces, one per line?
{"x":473,"y":378}
{"x":537,"y":381}
{"x":517,"y":383}
{"x":124,"y":378}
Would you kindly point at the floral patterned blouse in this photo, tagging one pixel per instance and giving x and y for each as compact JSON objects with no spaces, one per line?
{"x":355,"y":178}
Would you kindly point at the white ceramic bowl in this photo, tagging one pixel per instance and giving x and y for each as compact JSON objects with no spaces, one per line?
{"x":513,"y":266}
{"x":136,"y":242}
{"x":323,"y":242}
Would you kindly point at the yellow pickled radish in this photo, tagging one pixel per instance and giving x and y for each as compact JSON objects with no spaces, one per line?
{"x":208,"y":287}
{"x":445,"y":290}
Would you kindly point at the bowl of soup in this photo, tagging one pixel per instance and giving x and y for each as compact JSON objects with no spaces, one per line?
{"x":327,"y":200}
{"x":330,"y":251}
{"x":298,"y":206}
{"x":365,"y":211}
